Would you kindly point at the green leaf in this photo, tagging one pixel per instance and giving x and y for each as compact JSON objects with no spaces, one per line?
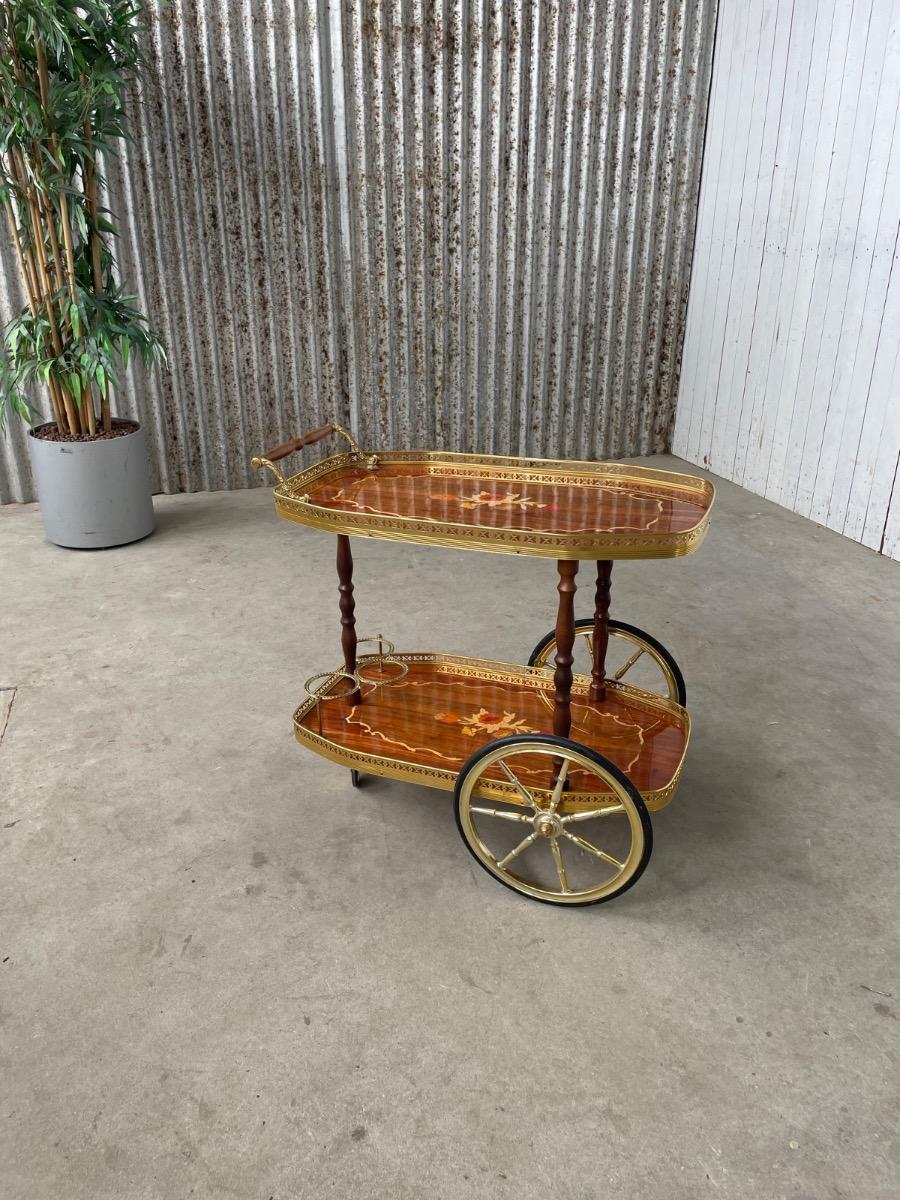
{"x":93,"y":51}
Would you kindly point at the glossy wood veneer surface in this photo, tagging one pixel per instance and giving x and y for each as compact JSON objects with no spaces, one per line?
{"x":553,"y":509}
{"x":447,"y":708}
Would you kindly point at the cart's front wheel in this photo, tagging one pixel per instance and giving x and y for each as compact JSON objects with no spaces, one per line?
{"x":534,"y":840}
{"x":633,"y":656}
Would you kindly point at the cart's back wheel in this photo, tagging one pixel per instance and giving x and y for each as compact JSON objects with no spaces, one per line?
{"x":537,"y":843}
{"x":633,"y":656}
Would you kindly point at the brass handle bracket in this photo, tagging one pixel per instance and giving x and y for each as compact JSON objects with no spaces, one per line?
{"x":258,"y":462}
{"x":309,"y":439}
{"x":371,"y":460}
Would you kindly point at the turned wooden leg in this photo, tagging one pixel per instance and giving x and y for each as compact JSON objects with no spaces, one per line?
{"x":601,"y":631}
{"x":565,"y":640}
{"x":347,"y":603}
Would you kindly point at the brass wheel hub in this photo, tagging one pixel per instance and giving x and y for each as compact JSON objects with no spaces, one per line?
{"x":547,"y":824}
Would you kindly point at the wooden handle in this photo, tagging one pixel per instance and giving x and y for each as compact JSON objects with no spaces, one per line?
{"x":297,"y":443}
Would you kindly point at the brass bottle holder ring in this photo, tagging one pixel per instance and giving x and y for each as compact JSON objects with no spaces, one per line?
{"x":372,"y":659}
{"x":322,"y":692}
{"x":385,"y":654}
{"x":381,"y":641}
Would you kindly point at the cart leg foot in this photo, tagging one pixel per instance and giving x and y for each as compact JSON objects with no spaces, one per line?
{"x":354,"y":777}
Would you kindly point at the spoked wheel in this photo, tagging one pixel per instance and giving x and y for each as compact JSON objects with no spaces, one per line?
{"x":539,"y":844}
{"x":633,"y":656}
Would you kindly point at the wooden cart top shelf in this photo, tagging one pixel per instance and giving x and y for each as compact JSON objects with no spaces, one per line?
{"x":537,"y":507}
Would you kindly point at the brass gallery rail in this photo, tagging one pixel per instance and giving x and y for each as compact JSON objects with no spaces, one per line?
{"x":553,"y":774}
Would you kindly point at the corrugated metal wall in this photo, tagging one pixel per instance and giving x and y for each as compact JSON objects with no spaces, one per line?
{"x":465,"y":225}
{"x":791,"y":379}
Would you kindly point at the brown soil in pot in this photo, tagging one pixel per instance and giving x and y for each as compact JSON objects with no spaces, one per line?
{"x":51,"y":433}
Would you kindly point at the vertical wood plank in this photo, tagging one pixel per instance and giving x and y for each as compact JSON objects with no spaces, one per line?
{"x":790,"y":372}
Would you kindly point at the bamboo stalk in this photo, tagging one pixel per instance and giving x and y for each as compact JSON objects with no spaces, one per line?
{"x":86,"y":416}
{"x":87,"y":407}
{"x":87,"y":400}
{"x":59,"y":412}
{"x":50,"y":218}
{"x":105,"y":413}
{"x":64,"y":409}
{"x":17,"y":172}
{"x":20,"y":258}
{"x":40,"y":253}
{"x":90,"y":192}
{"x":37,"y":249}
{"x":67,"y":241}
{"x":72,"y":414}
{"x":31,"y":279}
{"x":43,"y":77}
{"x":86,"y":419}
{"x":55,"y":398}
{"x":43,"y":279}
{"x":43,"y":83}
{"x":32,"y":273}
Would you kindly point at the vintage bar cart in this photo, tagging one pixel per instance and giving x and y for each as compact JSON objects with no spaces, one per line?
{"x":554,"y":771}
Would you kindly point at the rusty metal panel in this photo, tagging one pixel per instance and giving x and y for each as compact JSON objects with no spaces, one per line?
{"x":465,"y":226}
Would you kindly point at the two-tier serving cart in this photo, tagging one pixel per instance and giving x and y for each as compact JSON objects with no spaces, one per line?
{"x":554,"y":770}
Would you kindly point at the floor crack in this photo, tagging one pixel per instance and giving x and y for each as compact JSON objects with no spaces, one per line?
{"x":9,"y":708}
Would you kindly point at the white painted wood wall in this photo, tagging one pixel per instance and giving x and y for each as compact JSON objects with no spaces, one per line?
{"x":790,"y":380}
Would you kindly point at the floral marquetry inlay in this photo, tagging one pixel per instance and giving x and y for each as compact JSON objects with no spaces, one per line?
{"x":430,"y":722}
{"x":495,"y":725}
{"x":554,"y":510}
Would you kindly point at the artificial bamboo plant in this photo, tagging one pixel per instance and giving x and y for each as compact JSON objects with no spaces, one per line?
{"x":64,"y":67}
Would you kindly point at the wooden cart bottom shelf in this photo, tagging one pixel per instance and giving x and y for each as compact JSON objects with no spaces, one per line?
{"x":424,"y":727}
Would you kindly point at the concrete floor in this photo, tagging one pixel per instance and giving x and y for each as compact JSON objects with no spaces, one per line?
{"x":226,"y":974}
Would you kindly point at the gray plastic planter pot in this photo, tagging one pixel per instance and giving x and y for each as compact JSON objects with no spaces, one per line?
{"x":93,"y":494}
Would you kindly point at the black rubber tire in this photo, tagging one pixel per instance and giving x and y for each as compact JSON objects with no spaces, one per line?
{"x":355,"y":777}
{"x":550,"y":740}
{"x":660,"y":649}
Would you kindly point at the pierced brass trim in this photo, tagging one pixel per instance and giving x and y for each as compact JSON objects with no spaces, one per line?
{"x":497,"y":672}
{"x":293,"y":503}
